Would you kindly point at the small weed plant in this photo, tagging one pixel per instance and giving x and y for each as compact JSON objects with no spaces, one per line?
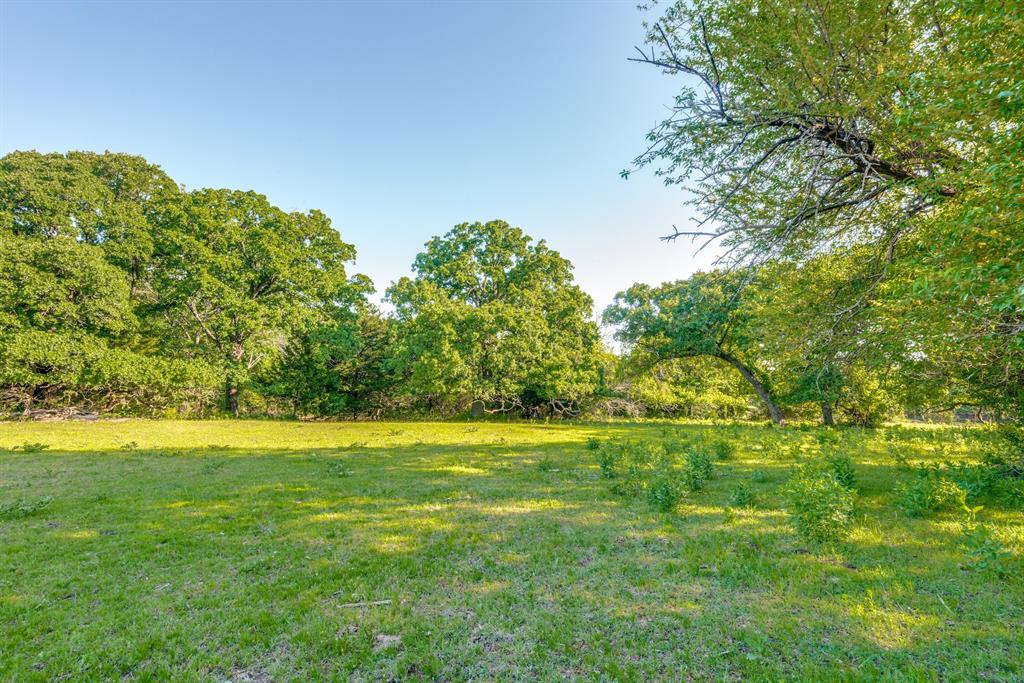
{"x":337,"y":469}
{"x":842,"y":469}
{"x":698,"y":470}
{"x":820,"y":506}
{"x":723,"y":450}
{"x":652,"y":469}
{"x":742,"y":496}
{"x":931,"y":491}
{"x":546,"y":465}
{"x":23,"y":507}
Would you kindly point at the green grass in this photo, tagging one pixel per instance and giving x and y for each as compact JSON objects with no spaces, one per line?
{"x":229,"y":551}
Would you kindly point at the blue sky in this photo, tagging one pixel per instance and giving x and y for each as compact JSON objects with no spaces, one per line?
{"x":398,"y":120}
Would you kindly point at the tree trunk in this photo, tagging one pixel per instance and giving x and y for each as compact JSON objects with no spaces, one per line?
{"x":826,"y":414}
{"x":762,"y":391}
{"x":230,"y":397}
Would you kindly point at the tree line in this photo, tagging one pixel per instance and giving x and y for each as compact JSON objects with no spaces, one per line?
{"x":122,"y":292}
{"x":860,"y":167}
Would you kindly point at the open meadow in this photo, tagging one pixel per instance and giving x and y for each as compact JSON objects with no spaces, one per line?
{"x":257,"y":551}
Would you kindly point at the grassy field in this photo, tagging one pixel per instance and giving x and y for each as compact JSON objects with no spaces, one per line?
{"x":259,"y":551}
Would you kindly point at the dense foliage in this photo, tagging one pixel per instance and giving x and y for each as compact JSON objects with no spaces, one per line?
{"x":492,"y":316}
{"x":123,"y":292}
{"x":882,"y":142}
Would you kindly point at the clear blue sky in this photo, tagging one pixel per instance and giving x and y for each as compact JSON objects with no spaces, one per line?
{"x":397,"y":120}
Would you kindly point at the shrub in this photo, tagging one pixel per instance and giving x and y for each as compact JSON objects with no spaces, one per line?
{"x":338,"y":469}
{"x":975,"y":480}
{"x":664,"y":492}
{"x":842,"y":469}
{"x":609,"y":459}
{"x":931,"y":491}
{"x":546,"y":464}
{"x":628,"y":463}
{"x":1010,"y":492}
{"x":898,"y":453}
{"x":772,"y":450}
{"x":827,"y":437}
{"x":821,"y":507}
{"x":698,"y":469}
{"x":1012,"y":440}
{"x":985,"y":553}
{"x":723,"y":450}
{"x":645,"y":467}
{"x":653,"y":469}
{"x":593,"y":443}
{"x":742,"y":496}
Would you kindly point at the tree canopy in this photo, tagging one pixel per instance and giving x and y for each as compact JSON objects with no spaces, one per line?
{"x":239,"y":278}
{"x":889,"y":133}
{"x":700,"y":316}
{"x":495,"y":317}
{"x":117,"y":284}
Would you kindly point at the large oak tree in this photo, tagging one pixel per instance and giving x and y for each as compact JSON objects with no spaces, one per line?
{"x":494,"y":316}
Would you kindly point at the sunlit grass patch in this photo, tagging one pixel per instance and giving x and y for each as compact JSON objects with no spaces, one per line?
{"x":227,"y":548}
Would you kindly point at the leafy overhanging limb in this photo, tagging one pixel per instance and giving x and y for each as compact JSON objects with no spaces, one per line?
{"x":827,"y":169}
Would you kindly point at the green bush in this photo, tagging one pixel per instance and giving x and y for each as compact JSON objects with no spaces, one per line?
{"x":821,"y":508}
{"x":898,"y":452}
{"x":664,"y":491}
{"x":742,"y":496}
{"x":610,"y":460}
{"x":975,"y":480}
{"x":628,"y":463}
{"x":931,"y":491}
{"x":827,"y":438}
{"x":842,"y":468}
{"x":1010,"y":492}
{"x":723,"y":450}
{"x":984,"y":552}
{"x":697,"y":470}
{"x":337,"y":469}
{"x":593,"y":443}
{"x":653,"y":470}
{"x":546,"y":464}
{"x":773,"y":450}
{"x":645,"y":461}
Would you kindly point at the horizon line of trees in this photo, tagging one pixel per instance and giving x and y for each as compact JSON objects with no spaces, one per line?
{"x":860,"y":168}
{"x":122,"y":292}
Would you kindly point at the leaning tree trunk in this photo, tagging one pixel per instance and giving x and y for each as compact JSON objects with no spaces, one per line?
{"x":826,"y":413}
{"x":762,"y":391}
